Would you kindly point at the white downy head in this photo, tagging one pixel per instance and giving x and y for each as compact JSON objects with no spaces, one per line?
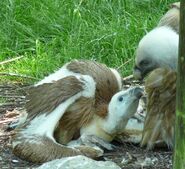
{"x":122,"y":106}
{"x":158,"y":48}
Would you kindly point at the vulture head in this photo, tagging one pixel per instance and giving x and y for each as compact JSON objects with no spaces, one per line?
{"x":158,"y":48}
{"x":121,"y":108}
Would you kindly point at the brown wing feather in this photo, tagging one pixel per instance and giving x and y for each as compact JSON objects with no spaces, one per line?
{"x":106,"y":82}
{"x":172,"y":17}
{"x":83,"y":110}
{"x":46,"y":97}
{"x":76,"y":116}
{"x":159,"y":122}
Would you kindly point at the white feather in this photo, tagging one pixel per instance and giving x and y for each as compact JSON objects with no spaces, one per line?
{"x":162,"y":44}
{"x":59,"y":74}
{"x":45,"y":124}
{"x":118,"y":77}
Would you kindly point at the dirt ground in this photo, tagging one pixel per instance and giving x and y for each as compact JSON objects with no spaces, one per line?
{"x":126,"y":155}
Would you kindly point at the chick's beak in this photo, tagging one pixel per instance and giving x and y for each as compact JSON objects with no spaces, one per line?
{"x":138,"y":92}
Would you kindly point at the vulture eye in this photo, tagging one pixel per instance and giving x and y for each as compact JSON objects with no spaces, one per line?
{"x":120,"y":98}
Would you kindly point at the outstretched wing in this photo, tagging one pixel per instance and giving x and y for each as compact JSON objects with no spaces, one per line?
{"x":46,"y":97}
{"x":159,"y":122}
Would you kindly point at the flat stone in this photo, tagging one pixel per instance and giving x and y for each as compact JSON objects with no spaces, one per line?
{"x":78,"y":162}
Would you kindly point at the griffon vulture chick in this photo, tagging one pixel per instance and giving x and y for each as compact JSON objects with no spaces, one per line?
{"x":81,"y":98}
{"x":158,"y":48}
{"x":159,"y":122}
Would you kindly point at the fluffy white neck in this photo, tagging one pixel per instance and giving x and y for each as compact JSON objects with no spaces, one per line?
{"x":95,"y":127}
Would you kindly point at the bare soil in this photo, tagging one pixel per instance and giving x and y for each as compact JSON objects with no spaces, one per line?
{"x":126,"y":155}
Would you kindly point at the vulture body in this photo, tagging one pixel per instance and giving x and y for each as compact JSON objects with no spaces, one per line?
{"x":159,"y":123}
{"x":156,"y":56}
{"x":82,"y":98}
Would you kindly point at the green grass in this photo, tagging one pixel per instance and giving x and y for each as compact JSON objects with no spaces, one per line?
{"x":49,"y":33}
{"x":2,"y":100}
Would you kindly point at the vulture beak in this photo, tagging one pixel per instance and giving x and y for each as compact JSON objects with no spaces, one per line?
{"x":138,"y":92}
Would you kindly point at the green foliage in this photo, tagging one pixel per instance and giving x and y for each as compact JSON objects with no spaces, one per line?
{"x":50,"y":33}
{"x":2,"y":100}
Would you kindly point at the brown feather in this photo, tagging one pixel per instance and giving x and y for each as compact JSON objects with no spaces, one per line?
{"x":160,"y":118}
{"x":81,"y":113}
{"x":46,"y":97}
{"x":106,"y":82}
{"x":76,"y":116}
{"x":172,"y":17}
{"x":50,"y":150}
{"x":51,"y":95}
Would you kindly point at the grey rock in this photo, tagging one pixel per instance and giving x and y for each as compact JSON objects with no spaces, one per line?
{"x":78,"y":162}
